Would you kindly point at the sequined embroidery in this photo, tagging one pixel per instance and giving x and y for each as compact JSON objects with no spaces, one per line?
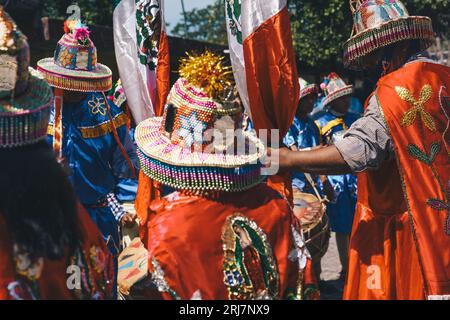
{"x":31,"y":269}
{"x":97,"y":106}
{"x":417,"y":107}
{"x":422,"y":156}
{"x":250,"y":270}
{"x":441,"y":205}
{"x":158,"y":278}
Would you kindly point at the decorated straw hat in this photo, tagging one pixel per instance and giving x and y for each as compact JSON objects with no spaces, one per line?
{"x":25,"y":97}
{"x":379,"y":23}
{"x":175,"y":149}
{"x":307,"y":88}
{"x":74,"y":65}
{"x":334,"y":87}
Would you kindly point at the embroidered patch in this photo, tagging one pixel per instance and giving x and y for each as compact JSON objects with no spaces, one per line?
{"x":421,"y":155}
{"x":97,"y":106}
{"x":441,"y":205}
{"x":31,"y":269}
{"x":418,"y":107}
{"x":250,"y":270}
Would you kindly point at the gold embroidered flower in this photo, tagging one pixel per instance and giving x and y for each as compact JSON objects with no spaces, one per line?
{"x":97,"y":106}
{"x":98,"y":259}
{"x":418,"y":107}
{"x":65,"y":58}
{"x":25,"y":266}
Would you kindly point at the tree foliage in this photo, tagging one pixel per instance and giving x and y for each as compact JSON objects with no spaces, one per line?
{"x":92,"y":11}
{"x":207,"y":24}
{"x":320,"y":27}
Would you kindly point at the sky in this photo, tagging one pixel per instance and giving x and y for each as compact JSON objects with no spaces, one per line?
{"x":174,"y":13}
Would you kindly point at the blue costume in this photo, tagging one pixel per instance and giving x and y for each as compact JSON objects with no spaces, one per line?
{"x":95,"y":162}
{"x":302,"y":134}
{"x":342,"y":209}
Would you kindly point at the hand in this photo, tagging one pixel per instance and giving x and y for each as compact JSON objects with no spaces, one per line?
{"x":328,"y":190}
{"x":128,"y":219}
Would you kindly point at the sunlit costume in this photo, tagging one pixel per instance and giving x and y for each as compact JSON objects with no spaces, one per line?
{"x":224,"y":234}
{"x":25,"y":102}
{"x":89,"y":136}
{"x":332,"y":127}
{"x":401,"y":235}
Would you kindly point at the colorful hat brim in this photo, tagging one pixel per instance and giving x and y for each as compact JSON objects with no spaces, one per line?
{"x":181,"y":168}
{"x":390,"y":32}
{"x":312,"y":88}
{"x":337,"y":94}
{"x":98,"y":80}
{"x":24,"y":119}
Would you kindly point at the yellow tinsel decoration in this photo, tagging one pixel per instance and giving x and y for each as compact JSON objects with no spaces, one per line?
{"x":208,"y":72}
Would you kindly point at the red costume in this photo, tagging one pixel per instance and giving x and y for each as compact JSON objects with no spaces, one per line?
{"x":400,"y":241}
{"x":26,"y":277}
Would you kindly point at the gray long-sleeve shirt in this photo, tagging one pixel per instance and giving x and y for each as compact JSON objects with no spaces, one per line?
{"x":367,"y":143}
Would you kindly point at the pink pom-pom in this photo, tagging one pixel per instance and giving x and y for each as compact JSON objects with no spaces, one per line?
{"x":323,"y":86}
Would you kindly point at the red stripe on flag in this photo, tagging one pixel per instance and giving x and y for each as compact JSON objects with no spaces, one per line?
{"x":162,"y":74}
{"x":271,"y":71}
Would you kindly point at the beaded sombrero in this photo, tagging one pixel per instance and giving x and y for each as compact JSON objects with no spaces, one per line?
{"x":334,"y":87}
{"x":25,"y":97}
{"x":307,"y":88}
{"x":379,"y":23}
{"x":74,"y":65}
{"x":178,"y":149}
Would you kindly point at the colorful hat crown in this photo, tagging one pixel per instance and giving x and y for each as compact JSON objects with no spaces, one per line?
{"x":379,"y":23}
{"x":25,"y":97}
{"x":15,"y":58}
{"x":180,"y":150}
{"x":307,"y":88}
{"x":334,"y":87}
{"x":75,"y":50}
{"x":74,"y":65}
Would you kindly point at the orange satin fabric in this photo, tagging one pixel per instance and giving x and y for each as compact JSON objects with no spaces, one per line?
{"x":272,"y":82}
{"x":149,"y":190}
{"x":53,"y":282}
{"x":271,"y":72}
{"x":184,"y":235}
{"x":162,"y":74}
{"x":58,"y":129}
{"x":382,"y":241}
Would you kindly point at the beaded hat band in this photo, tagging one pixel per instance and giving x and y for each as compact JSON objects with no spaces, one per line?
{"x":378,"y":24}
{"x":307,"y":88}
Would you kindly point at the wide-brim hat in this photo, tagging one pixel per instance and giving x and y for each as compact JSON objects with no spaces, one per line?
{"x":25,"y":97}
{"x":377,"y":24}
{"x":74,"y":65}
{"x":171,"y":148}
{"x":334,"y":87}
{"x":307,"y":88}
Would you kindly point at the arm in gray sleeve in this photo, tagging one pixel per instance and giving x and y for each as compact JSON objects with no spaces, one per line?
{"x":367,"y":143}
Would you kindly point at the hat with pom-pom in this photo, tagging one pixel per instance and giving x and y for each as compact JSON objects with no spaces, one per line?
{"x":74,"y":65}
{"x":25,"y":97}
{"x":190,"y":147}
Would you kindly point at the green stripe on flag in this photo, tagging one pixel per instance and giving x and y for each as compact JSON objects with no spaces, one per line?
{"x":116,"y":3}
